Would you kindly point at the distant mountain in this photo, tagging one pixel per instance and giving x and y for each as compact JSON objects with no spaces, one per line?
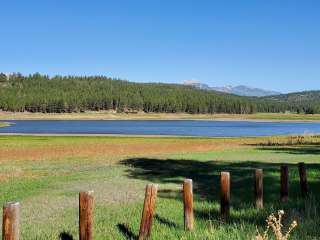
{"x":246,"y":91}
{"x":240,"y":90}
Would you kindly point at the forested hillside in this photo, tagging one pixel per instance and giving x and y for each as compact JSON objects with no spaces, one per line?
{"x":302,"y":102}
{"x":39,"y":93}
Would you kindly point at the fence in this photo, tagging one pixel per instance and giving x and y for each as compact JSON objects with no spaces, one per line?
{"x":11,"y":210}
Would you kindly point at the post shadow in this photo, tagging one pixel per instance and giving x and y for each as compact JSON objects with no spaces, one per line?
{"x":125,"y":230}
{"x":65,"y":236}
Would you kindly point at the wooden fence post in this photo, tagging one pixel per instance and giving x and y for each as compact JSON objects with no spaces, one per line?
{"x":188,"y":204}
{"x":284,"y":192}
{"x":148,"y":210}
{"x":258,"y":188}
{"x":86,"y":203}
{"x":11,"y":221}
{"x":303,"y":179}
{"x":225,"y":195}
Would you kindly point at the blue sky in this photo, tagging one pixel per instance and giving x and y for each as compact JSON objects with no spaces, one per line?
{"x":268,"y":44}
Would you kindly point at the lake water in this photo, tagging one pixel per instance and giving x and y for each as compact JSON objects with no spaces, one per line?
{"x":162,"y":127}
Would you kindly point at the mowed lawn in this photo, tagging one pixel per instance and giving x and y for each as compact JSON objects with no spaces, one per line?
{"x":45,"y":174}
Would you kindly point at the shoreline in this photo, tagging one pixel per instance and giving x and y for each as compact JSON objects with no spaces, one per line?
{"x":104,"y":115}
{"x":111,"y":135}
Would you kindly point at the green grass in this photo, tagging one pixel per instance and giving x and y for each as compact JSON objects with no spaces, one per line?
{"x":48,"y":188}
{"x":284,"y":117}
{"x":4,"y":124}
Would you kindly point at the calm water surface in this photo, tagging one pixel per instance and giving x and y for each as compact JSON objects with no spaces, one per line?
{"x":162,"y":127}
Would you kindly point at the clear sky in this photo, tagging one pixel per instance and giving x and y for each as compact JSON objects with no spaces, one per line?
{"x":272,"y":44}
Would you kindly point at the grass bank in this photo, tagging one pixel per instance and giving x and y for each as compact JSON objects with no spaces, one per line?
{"x":46,"y":173}
{"x":103,"y":115}
{"x":4,"y":124}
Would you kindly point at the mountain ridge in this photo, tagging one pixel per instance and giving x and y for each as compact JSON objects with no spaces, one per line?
{"x":241,"y":90}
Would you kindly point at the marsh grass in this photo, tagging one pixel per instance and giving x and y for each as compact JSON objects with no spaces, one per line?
{"x":48,"y":187}
{"x":298,"y":140}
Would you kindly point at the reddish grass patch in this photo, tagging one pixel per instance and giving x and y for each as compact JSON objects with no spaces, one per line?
{"x":94,"y":150}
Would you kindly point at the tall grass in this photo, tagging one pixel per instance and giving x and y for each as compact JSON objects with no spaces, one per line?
{"x":305,"y":139}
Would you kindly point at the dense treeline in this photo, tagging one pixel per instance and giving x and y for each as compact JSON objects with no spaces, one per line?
{"x":39,"y":93}
{"x":301,"y":102}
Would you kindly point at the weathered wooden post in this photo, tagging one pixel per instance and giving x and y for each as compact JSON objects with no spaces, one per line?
{"x":225,"y":195}
{"x":258,"y":188}
{"x":284,"y":188}
{"x":148,"y":210}
{"x":11,"y":221}
{"x":86,"y":203}
{"x":188,"y":204}
{"x":303,"y":179}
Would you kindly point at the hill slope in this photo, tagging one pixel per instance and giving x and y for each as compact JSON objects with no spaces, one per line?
{"x":301,"y":102}
{"x":40,"y":93}
{"x":297,"y":96}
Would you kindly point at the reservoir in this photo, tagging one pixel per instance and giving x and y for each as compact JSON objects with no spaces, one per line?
{"x":197,"y":128}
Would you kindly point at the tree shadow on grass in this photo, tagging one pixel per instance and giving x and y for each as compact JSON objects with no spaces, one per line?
{"x":305,"y":149}
{"x":206,"y":180}
{"x":206,"y":176}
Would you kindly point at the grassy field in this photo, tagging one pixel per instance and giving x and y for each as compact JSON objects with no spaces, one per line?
{"x":105,"y":115}
{"x":46,"y":173}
